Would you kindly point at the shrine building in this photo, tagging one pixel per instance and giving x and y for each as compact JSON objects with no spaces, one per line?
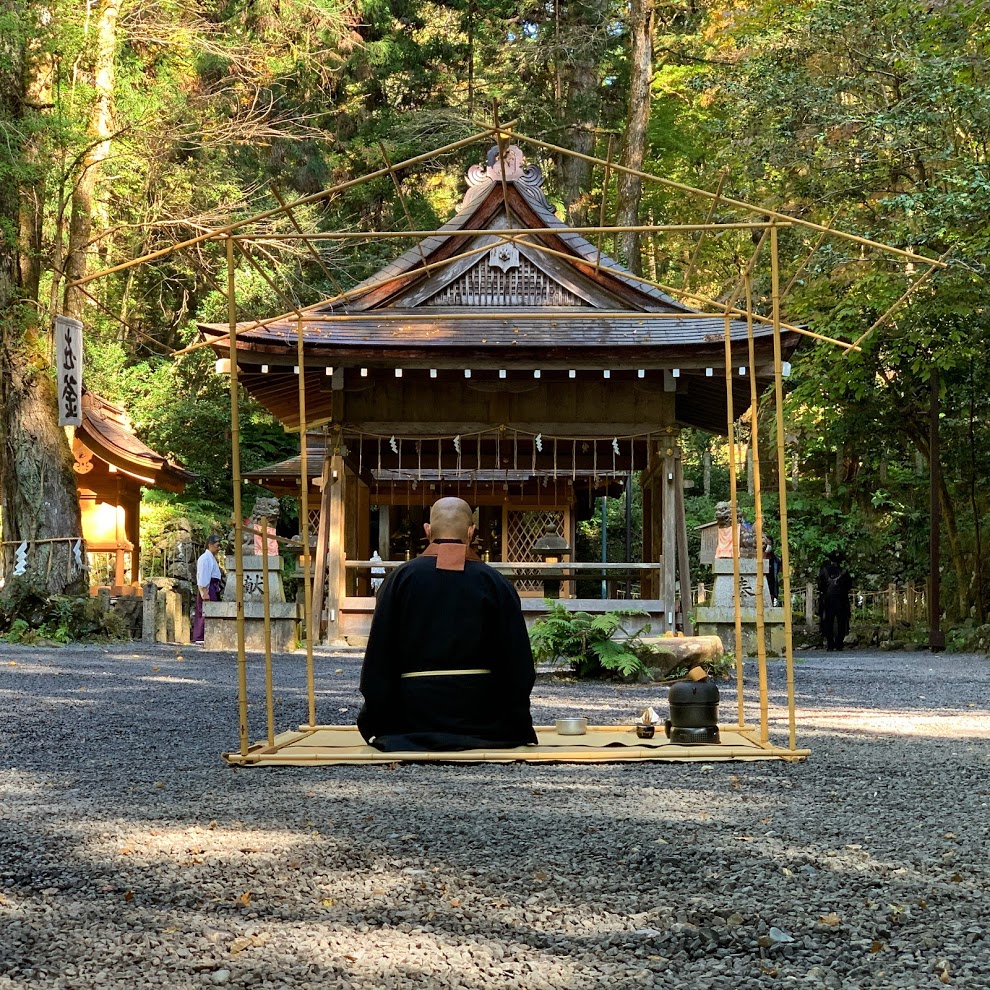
{"x":506,"y":360}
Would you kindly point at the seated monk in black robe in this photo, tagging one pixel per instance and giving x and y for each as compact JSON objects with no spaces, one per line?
{"x":448,"y":664}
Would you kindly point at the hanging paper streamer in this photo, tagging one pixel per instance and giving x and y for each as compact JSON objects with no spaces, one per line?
{"x":515,"y":451}
{"x":539,"y":442}
{"x":360,"y":453}
{"x":77,"y":553}
{"x":393,"y":445}
{"x":615,"y":452}
{"x":419,"y":460}
{"x":457,"y":444}
{"x":20,"y":559}
{"x":594,"y":460}
{"x":379,"y":444}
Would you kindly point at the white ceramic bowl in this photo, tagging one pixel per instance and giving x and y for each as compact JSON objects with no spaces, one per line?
{"x":572,"y":726}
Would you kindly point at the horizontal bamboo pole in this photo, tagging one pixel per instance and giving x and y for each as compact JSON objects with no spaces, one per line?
{"x":741,"y":204}
{"x":553,"y":316}
{"x":807,"y":260}
{"x":917,"y":284}
{"x":341,"y":235}
{"x":295,"y":204}
{"x":298,"y":315}
{"x":663,"y":753}
{"x":672,"y":290}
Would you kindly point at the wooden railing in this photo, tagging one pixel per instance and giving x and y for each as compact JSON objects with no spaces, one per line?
{"x":891,"y":605}
{"x":617,"y":574}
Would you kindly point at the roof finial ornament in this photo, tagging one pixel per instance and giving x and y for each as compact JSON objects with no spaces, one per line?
{"x":510,"y":162}
{"x":528,"y":178}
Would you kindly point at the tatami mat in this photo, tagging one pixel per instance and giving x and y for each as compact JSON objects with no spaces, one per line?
{"x":336,"y":744}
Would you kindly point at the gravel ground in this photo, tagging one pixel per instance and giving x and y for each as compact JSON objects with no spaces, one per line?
{"x":131,"y":856}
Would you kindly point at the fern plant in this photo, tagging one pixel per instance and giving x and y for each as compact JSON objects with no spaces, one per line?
{"x":587,"y":642}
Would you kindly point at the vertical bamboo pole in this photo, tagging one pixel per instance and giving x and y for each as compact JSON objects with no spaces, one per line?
{"x":601,"y":217}
{"x":754,"y":446}
{"x":235,"y":470}
{"x":785,"y":562}
{"x":266,"y":599}
{"x":730,"y":422}
{"x":701,"y":236}
{"x":307,"y":555}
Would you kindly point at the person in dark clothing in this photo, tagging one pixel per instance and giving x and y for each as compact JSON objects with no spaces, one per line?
{"x":834,"y":585}
{"x":448,"y":663}
{"x":773,"y":570}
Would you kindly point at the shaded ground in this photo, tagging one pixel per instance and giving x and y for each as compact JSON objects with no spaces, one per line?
{"x":131,"y":856}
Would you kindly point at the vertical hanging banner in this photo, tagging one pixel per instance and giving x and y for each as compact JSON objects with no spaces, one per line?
{"x":68,"y":360}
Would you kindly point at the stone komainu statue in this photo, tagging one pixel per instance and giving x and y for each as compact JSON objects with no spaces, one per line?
{"x":263,"y":508}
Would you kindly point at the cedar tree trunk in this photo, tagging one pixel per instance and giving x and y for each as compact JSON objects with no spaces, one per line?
{"x":37,"y":483}
{"x":630,"y":187}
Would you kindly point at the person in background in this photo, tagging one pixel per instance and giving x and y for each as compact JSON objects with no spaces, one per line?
{"x":208,"y":577}
{"x":773,"y":570}
{"x":834,"y":585}
{"x":448,"y":663}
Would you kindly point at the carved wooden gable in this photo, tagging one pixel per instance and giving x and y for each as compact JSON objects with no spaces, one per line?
{"x":504,"y":279}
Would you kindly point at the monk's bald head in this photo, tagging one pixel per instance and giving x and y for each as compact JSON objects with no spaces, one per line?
{"x":451,"y":519}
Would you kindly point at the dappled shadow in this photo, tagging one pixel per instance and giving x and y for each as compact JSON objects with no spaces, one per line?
{"x":453,"y":875}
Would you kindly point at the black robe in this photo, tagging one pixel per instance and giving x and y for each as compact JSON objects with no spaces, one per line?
{"x":834,"y":585}
{"x":431,"y":619}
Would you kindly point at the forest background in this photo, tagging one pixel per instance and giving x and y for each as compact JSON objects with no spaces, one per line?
{"x":129,"y":125}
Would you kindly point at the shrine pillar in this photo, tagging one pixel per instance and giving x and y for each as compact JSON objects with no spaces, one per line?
{"x":664,"y":529}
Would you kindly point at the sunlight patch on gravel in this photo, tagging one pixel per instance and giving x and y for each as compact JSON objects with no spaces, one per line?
{"x":899,"y":722}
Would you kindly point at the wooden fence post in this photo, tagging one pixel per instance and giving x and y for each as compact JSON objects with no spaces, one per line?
{"x":892,"y":603}
{"x":909,"y":603}
{"x":809,"y":605}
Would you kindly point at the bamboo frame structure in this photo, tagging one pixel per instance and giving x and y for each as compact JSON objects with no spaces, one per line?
{"x":754,"y":446}
{"x":306,"y":559}
{"x":238,"y":238}
{"x":731,"y":423}
{"x":235,"y":469}
{"x":266,"y":599}
{"x":785,"y":559}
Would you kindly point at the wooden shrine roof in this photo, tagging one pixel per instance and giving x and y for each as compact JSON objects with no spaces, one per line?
{"x":106,"y":431}
{"x":371,"y":335}
{"x":524,"y":302}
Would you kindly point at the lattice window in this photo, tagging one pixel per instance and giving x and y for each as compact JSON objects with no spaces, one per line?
{"x":524,"y":285}
{"x":523,"y":529}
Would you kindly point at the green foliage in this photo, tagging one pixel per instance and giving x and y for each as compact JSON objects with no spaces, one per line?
{"x":29,"y":615}
{"x":586,"y":641}
{"x":877,"y":111}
